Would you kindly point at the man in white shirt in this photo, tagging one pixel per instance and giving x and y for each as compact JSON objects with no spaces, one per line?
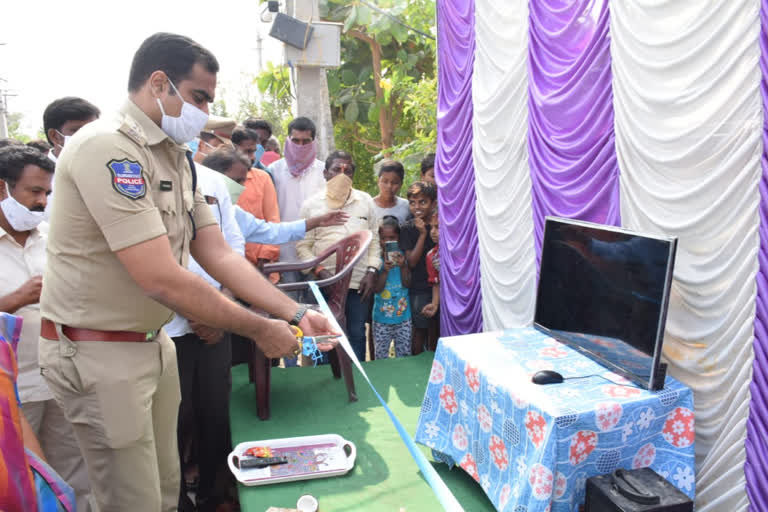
{"x":204,"y":357}
{"x":62,"y":119}
{"x":338,"y":194}
{"x":25,"y":182}
{"x":297,"y":176}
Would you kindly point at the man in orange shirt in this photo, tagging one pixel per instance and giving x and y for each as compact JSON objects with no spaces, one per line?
{"x":260,"y":199}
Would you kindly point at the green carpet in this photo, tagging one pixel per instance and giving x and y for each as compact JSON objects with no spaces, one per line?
{"x":308,"y":401}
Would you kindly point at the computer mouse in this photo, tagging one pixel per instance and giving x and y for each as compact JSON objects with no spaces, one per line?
{"x":547,"y":377}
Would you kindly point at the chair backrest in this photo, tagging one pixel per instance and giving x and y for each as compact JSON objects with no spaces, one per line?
{"x":348,"y":252}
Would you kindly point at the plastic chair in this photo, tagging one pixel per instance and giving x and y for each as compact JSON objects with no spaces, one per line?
{"x":348,"y":252}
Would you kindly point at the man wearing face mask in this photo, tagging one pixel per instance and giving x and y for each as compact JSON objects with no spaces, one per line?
{"x":338,"y":194}
{"x":127,"y":215}
{"x":25,"y":181}
{"x":297,"y":175}
{"x":264,"y":129}
{"x":61,"y":120}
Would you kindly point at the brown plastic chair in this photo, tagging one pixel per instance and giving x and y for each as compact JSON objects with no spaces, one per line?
{"x":348,"y":252}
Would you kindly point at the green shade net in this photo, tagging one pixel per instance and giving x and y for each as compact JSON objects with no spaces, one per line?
{"x":309,"y":401}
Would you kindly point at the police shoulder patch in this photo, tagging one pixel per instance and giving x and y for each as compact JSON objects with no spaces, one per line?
{"x":127,"y":178}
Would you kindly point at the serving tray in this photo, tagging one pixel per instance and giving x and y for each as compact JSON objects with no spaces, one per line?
{"x":308,"y":457}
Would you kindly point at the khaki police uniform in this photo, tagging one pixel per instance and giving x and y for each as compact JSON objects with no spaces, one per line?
{"x":119,"y":182}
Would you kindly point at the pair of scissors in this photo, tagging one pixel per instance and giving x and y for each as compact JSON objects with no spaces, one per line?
{"x":307,"y":345}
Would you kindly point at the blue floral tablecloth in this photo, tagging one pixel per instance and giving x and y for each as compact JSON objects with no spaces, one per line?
{"x":532,"y":447}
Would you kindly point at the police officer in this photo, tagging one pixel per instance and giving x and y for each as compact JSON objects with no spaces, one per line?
{"x":126,"y":216}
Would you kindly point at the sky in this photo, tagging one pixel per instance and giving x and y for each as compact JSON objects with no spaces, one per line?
{"x":84,"y":48}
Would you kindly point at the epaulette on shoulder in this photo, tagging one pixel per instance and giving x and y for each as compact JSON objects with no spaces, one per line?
{"x":130,"y":128}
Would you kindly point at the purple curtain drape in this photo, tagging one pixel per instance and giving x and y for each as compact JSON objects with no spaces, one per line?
{"x":571,"y":148}
{"x":461,"y":306}
{"x":757,"y":422}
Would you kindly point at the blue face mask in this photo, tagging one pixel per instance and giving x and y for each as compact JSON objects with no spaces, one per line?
{"x":258,"y":154}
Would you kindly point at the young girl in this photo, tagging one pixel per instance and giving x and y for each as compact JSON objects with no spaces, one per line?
{"x":391,"y":307}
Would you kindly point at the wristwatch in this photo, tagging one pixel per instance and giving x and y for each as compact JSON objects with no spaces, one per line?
{"x":299,"y":314}
{"x":373,"y":270}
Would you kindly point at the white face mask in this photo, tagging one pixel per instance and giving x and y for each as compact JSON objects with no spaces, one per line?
{"x":66,"y":139}
{"x":188,"y":125}
{"x":19,"y":216}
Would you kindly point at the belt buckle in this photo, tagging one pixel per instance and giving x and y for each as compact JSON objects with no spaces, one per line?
{"x":152,"y":334}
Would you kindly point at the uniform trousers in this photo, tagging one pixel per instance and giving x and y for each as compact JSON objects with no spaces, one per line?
{"x":206,"y":383}
{"x":57,"y":439}
{"x":122,"y":399}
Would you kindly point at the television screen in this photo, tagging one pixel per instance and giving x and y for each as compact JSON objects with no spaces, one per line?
{"x":604,"y":291}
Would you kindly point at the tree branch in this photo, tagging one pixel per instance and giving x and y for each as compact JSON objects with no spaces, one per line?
{"x":385,"y":119}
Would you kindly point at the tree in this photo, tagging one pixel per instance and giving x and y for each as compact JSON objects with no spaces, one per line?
{"x":14,"y":127}
{"x":385,"y":92}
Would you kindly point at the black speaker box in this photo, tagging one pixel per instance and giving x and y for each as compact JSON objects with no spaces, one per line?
{"x":637,"y":490}
{"x":291,"y":31}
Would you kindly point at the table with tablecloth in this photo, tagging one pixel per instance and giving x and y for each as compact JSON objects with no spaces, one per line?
{"x":532,"y":447}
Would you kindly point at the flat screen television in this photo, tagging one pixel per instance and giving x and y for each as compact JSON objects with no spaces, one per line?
{"x":604,"y":291}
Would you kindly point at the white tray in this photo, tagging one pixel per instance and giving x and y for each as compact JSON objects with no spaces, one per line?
{"x":308,"y":457}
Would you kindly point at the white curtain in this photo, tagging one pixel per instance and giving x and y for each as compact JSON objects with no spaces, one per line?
{"x":500,"y":153}
{"x":688,"y":138}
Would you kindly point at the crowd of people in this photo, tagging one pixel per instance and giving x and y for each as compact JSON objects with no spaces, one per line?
{"x":154,"y":226}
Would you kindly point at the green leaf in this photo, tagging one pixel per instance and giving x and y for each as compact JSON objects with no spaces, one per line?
{"x":351,"y":112}
{"x":264,"y":81}
{"x":373,"y":114}
{"x":348,"y":77}
{"x":365,"y":74}
{"x":351,"y":19}
{"x":399,"y":32}
{"x":334,"y":84}
{"x":363,"y":15}
{"x":384,"y":38}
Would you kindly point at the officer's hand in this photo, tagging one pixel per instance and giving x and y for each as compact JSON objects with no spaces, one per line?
{"x":316,"y":324}
{"x":29,"y":292}
{"x":276,"y":339}
{"x":323,"y":275}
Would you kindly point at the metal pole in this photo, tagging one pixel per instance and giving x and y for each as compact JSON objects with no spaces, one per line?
{"x":3,"y":110}
{"x":312,"y":99}
{"x":3,"y":116}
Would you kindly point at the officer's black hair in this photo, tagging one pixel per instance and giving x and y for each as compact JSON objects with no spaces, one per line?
{"x":239,"y":135}
{"x":302,"y":124}
{"x":392,"y":166}
{"x":40,"y":145}
{"x":427,"y":163}
{"x":173,"y":54}
{"x":258,"y":124}
{"x":223,"y":158}
{"x":339,"y":155}
{"x":66,"y":109}
{"x":13,"y":159}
